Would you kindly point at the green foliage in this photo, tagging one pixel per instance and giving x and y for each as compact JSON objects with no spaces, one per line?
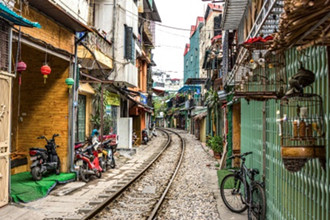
{"x":215,"y":143}
{"x":95,"y":119}
{"x":160,"y":106}
{"x":212,"y":98}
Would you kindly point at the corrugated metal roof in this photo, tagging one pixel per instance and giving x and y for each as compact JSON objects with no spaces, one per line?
{"x":233,"y":13}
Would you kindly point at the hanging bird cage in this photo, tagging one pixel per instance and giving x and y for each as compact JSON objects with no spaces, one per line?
{"x":302,"y":130}
{"x":263,"y":76}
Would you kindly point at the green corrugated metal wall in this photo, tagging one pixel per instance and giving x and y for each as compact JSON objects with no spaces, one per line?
{"x":301,"y":195}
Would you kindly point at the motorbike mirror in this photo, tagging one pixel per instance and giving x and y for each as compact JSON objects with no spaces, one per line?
{"x":56,"y":135}
{"x":41,"y":137}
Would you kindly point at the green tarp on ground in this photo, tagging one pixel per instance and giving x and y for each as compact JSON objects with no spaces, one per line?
{"x":25,"y":189}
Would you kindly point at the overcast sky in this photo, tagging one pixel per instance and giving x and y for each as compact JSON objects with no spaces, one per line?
{"x":170,"y":43}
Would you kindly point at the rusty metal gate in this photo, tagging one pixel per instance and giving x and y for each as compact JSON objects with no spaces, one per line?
{"x":5,"y":112}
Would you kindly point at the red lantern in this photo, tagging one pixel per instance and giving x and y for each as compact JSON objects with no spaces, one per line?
{"x":21,"y":66}
{"x":45,"y":70}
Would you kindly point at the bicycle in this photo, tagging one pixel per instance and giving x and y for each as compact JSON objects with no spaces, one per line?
{"x":238,"y":193}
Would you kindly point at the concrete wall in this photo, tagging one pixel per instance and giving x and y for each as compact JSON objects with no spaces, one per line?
{"x":77,"y":8}
{"x":125,"y":132}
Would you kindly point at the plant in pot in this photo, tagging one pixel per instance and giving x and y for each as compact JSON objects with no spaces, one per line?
{"x":216,"y":144}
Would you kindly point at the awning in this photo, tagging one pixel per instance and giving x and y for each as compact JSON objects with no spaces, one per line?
{"x":200,"y":116}
{"x":140,"y":104}
{"x":56,"y":12}
{"x":195,"y":81}
{"x":158,"y":91}
{"x":233,"y":13}
{"x":189,"y":88}
{"x":86,"y":88}
{"x":88,"y":60}
{"x":14,"y":18}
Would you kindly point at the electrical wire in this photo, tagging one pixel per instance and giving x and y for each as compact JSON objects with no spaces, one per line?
{"x":160,"y":24}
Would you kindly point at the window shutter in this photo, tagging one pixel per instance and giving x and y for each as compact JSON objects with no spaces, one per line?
{"x":129,"y":46}
{"x":4,"y":45}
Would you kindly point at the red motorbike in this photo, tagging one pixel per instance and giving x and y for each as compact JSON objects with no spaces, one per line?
{"x":87,"y":161}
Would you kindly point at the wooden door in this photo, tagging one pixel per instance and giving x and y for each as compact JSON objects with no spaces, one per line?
{"x":5,"y":117}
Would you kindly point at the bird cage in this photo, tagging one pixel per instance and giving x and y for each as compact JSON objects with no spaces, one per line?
{"x":302,"y":130}
{"x":263,"y":76}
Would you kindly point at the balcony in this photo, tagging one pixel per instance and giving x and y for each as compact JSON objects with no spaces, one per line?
{"x":128,"y":77}
{"x":149,"y":33}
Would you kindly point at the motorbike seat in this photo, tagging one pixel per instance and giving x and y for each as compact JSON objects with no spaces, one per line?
{"x":39,"y":149}
{"x":107,"y":141}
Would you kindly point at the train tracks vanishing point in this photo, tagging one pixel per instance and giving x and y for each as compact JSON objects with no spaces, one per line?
{"x":143,"y":191}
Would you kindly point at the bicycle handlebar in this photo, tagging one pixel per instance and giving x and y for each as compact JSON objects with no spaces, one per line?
{"x":241,"y":155}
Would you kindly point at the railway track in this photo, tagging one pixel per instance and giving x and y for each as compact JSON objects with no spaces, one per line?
{"x":141,"y":193}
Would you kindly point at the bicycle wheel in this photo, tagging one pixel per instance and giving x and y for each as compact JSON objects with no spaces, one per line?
{"x":257,"y":210}
{"x":232,"y":192}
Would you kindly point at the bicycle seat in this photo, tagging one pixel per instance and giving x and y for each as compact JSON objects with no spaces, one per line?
{"x":254,"y":171}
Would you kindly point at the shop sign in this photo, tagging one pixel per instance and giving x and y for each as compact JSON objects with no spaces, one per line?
{"x":108,"y":109}
{"x":111,"y":99}
{"x":143,"y":99}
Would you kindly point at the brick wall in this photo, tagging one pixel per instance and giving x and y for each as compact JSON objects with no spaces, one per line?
{"x":50,"y":31}
{"x":44,"y":108}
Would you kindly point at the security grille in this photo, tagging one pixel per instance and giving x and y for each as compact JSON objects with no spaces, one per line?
{"x":4,"y":46}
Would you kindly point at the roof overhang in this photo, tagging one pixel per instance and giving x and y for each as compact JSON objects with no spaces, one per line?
{"x":56,"y":12}
{"x":195,"y":81}
{"x":233,"y":13}
{"x":152,"y":10}
{"x":13,"y":18}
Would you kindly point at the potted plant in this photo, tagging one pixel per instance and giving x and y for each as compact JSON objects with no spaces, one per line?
{"x":216,"y":144}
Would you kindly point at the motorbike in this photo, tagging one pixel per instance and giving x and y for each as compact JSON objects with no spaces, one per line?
{"x":109,"y":147}
{"x":44,"y":160}
{"x":145,"y":137}
{"x":87,"y":161}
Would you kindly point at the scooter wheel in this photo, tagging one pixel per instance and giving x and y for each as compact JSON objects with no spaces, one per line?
{"x":98,"y":174}
{"x":84,"y":177}
{"x":58,"y":168}
{"x":36,"y":173}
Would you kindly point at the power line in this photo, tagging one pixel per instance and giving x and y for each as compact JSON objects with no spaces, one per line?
{"x":162,"y":25}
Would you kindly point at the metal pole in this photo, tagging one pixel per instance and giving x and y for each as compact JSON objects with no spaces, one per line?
{"x":73,"y":100}
{"x":102,"y":112}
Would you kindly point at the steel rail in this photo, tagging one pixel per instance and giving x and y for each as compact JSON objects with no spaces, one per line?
{"x":114,"y":196}
{"x":154,"y":212}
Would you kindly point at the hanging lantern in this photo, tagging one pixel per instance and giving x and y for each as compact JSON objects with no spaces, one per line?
{"x":21,"y":66}
{"x":69,"y":82}
{"x":45,"y":70}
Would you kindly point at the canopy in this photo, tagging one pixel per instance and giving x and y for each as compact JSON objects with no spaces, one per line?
{"x":14,"y":18}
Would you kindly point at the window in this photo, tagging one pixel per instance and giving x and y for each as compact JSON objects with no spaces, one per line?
{"x":129,"y":52}
{"x":81,"y":119}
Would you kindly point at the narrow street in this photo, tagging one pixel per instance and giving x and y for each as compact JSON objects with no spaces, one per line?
{"x":154,"y":109}
{"x":194,"y":194}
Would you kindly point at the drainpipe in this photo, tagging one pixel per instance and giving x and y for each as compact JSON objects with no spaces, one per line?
{"x":73,"y":103}
{"x":10,"y":103}
{"x":264,"y":126}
